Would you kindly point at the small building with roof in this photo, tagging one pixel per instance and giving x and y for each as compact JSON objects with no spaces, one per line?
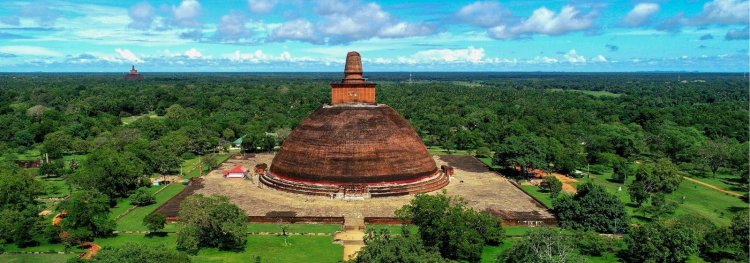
{"x":238,"y":171}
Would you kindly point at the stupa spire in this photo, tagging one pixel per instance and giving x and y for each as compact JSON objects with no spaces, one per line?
{"x":353,"y":89}
{"x":353,"y":68}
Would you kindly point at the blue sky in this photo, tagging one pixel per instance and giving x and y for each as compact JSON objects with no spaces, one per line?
{"x":297,"y":35}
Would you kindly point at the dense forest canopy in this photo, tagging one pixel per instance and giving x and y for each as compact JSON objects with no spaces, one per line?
{"x":576,"y":117}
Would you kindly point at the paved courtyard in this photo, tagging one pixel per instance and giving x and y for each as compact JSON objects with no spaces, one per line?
{"x":482,"y":189}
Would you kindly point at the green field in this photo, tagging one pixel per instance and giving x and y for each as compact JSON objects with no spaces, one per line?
{"x":270,"y":248}
{"x":437,"y":150}
{"x":36,"y":258}
{"x":698,"y":199}
{"x":594,"y":93}
{"x":293,"y":228}
{"x":131,"y":119}
{"x":55,"y":187}
{"x":133,"y":221}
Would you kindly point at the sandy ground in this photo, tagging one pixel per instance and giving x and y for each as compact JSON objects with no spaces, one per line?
{"x":568,"y":183}
{"x":482,"y":189}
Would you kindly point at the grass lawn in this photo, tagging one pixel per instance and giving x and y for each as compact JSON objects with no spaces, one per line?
{"x":594,"y":93}
{"x":131,"y":119}
{"x":133,"y":220}
{"x":488,"y":162}
{"x":55,"y":187}
{"x":722,"y":180}
{"x":269,"y":248}
{"x":190,"y":168}
{"x":490,"y":253}
{"x":294,"y":228}
{"x":36,"y":258}
{"x":538,"y":194}
{"x":699,"y":200}
{"x":43,"y":247}
{"x":437,"y":150}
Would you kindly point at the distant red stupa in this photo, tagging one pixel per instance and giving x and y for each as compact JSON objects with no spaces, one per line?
{"x":354,"y":147}
{"x":133,"y":74}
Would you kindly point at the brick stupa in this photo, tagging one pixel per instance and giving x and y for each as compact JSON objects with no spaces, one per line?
{"x":354,"y":148}
{"x":133,"y":74}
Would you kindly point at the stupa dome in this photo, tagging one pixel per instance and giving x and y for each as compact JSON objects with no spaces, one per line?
{"x":354,"y":145}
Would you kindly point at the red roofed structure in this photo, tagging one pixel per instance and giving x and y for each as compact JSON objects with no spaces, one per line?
{"x":237,"y":172}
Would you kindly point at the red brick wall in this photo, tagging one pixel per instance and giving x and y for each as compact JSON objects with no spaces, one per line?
{"x":352,"y":93}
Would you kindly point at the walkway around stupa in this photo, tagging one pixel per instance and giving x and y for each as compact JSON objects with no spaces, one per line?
{"x":483,"y":190}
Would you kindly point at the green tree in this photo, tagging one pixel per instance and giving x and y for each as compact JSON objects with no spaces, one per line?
{"x":541,"y":245}
{"x":592,"y":208}
{"x":446,"y":223}
{"x":139,"y":253}
{"x":661,"y":177}
{"x":56,"y":143}
{"x":525,"y":151}
{"x":551,"y":185}
{"x":621,"y":170}
{"x":88,"y":213}
{"x":483,"y":152}
{"x":715,"y":153}
{"x":155,"y":222}
{"x":660,"y":241}
{"x":637,"y":193}
{"x":382,"y":247}
{"x":728,"y":242}
{"x":19,"y":222}
{"x":210,"y":222}
{"x":113,"y":173}
{"x":142,"y":197}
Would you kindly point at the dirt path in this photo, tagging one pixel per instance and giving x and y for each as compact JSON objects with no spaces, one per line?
{"x":91,"y":250}
{"x":567,"y":183}
{"x":352,"y":237}
{"x":712,"y":186}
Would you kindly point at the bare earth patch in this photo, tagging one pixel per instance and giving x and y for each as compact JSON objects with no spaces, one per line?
{"x":481,"y":188}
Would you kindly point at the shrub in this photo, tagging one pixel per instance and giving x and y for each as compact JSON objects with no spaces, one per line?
{"x":210,"y":221}
{"x":155,"y":222}
{"x":142,"y":197}
{"x":592,"y":208}
{"x":593,"y":244}
{"x":551,"y":185}
{"x":541,"y":245}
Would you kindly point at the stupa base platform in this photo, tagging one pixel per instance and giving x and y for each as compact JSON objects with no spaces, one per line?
{"x":356,"y":191}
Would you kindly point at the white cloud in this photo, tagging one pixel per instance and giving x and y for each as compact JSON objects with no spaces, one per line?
{"x":301,"y":30}
{"x":186,"y":14}
{"x":193,"y":53}
{"x":599,"y":58}
{"x":573,"y":57}
{"x":127,"y":55}
{"x":467,"y":55}
{"x":261,"y":6}
{"x":482,"y":13}
{"x":640,"y":14}
{"x":547,"y":22}
{"x":346,"y":21}
{"x":232,"y":27}
{"x":141,"y":15}
{"x":403,"y":29}
{"x":545,"y":60}
{"x":261,"y":57}
{"x":29,"y":51}
{"x":724,"y":12}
